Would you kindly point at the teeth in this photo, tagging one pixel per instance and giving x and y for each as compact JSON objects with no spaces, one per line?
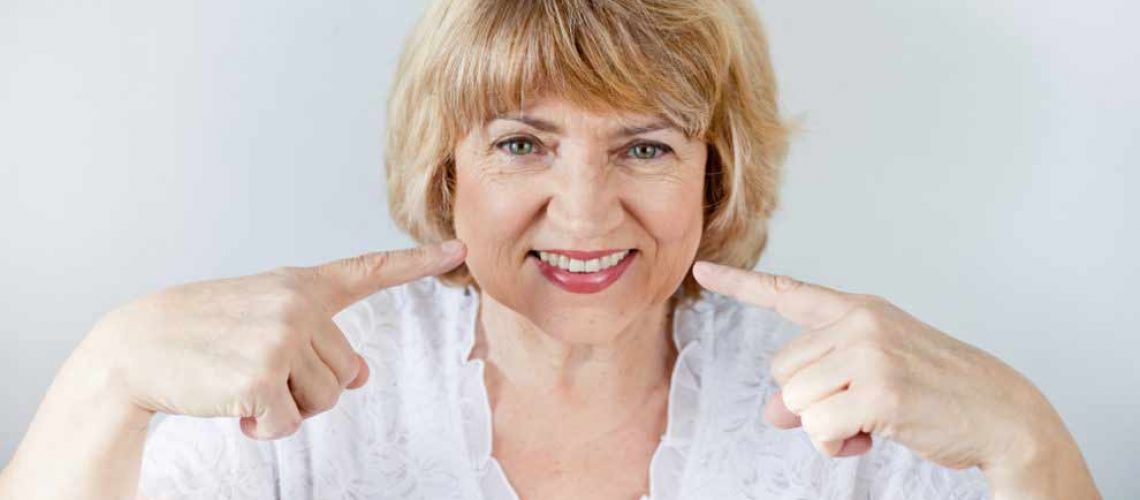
{"x":582,"y":266}
{"x":592,"y":265}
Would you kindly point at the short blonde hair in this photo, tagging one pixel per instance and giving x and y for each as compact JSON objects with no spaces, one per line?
{"x":702,"y":64}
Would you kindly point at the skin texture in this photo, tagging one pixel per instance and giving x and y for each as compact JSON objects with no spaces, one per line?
{"x":863,"y":367}
{"x":578,"y":382}
{"x":572,"y":378}
{"x":261,"y":347}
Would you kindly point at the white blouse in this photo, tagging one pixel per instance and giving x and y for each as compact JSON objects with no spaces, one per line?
{"x":421,"y":427}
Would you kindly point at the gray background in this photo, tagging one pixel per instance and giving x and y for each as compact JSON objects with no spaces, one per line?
{"x":968,"y":160}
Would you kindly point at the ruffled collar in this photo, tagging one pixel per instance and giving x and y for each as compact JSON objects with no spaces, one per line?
{"x":667,"y":467}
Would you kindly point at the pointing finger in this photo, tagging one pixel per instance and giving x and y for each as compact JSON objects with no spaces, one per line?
{"x":351,"y":279}
{"x":802,"y":303}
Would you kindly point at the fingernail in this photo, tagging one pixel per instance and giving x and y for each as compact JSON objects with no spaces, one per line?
{"x":451,"y":247}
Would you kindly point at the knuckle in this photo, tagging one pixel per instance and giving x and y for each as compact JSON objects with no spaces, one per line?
{"x":872,"y":300}
{"x":809,"y":421}
{"x":347,"y":373}
{"x":792,"y":400}
{"x":279,"y":341}
{"x":867,"y":322}
{"x":781,"y":283}
{"x":327,"y":400}
{"x":286,"y":307}
{"x":290,"y":278}
{"x":318,"y":401}
{"x":815,"y":424}
{"x":887,"y":398}
{"x":282,"y":301}
{"x":786,"y":283}
{"x":285,"y":272}
{"x":874,"y":359}
{"x":371,"y":263}
{"x":414,"y":254}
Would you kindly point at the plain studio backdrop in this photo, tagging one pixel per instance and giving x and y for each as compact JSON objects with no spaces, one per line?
{"x":968,"y":160}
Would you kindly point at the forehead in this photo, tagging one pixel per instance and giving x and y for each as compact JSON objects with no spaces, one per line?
{"x":555,"y":114}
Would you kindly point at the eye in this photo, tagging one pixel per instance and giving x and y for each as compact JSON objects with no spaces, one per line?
{"x":648,"y":150}
{"x":517,"y":146}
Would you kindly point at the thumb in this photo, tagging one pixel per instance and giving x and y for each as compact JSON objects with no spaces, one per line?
{"x":351,"y":279}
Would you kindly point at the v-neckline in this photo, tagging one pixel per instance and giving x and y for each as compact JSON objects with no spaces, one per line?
{"x":490,"y":476}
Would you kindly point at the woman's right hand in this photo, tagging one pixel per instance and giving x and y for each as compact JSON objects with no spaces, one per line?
{"x":260,"y":347}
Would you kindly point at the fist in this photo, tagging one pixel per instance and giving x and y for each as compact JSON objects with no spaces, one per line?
{"x":261,"y":347}
{"x":864,"y":367}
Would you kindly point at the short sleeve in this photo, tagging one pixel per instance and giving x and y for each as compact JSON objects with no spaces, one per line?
{"x":188,"y":457}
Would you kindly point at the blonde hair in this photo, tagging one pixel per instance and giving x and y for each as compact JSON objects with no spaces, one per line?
{"x":702,"y":64}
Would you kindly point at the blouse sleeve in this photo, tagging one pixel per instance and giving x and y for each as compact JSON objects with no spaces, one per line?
{"x":891,"y":471}
{"x":188,"y":457}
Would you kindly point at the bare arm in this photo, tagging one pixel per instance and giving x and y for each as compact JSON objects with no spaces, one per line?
{"x":262,"y":348}
{"x":85,"y":441}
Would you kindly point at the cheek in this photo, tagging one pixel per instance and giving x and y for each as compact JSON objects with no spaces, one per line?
{"x":491,"y":217}
{"x":672,"y":217}
{"x":678,"y":237}
{"x":672,"y":214}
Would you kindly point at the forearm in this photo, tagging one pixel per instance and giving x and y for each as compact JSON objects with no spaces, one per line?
{"x":1052,"y":468}
{"x":85,"y":440}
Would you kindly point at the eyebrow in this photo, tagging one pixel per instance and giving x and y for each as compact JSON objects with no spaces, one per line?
{"x":546,"y":126}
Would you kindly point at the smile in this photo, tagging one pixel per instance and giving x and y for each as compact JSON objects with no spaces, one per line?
{"x":583,"y":271}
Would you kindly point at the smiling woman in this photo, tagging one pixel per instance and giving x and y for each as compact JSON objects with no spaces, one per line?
{"x":698,"y":68}
{"x":592,"y":176}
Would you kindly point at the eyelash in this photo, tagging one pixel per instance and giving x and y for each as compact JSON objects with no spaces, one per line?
{"x":662,"y":148}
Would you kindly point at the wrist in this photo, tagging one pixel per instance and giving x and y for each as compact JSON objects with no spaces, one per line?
{"x":86,"y":438}
{"x":93,"y":378}
{"x":1040,"y":463}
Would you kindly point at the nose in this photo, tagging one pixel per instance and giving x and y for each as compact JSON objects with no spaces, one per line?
{"x":585,"y":202}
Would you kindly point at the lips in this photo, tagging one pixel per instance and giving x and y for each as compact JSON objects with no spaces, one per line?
{"x":583,"y":282}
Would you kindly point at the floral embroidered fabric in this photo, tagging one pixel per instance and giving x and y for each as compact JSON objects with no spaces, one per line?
{"x":421,"y":427}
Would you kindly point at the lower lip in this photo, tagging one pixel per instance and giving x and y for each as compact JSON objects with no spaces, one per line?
{"x":584,"y":282}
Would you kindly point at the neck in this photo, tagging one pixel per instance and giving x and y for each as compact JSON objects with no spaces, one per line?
{"x":629,"y":366}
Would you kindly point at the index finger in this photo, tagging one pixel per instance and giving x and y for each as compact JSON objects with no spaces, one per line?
{"x":805,"y":304}
{"x":354,"y":278}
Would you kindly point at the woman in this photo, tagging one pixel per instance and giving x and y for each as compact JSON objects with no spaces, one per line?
{"x":577,"y":157}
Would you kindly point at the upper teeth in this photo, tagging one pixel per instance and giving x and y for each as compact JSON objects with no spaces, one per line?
{"x":582,"y":266}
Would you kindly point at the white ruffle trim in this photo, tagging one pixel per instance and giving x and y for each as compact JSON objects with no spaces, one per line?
{"x":668,"y":464}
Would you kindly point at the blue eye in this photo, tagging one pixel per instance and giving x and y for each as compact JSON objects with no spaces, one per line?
{"x":648,"y":150}
{"x":517,"y":146}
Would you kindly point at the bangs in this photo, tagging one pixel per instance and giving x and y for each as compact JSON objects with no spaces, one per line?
{"x":701,"y":65}
{"x":602,"y":56}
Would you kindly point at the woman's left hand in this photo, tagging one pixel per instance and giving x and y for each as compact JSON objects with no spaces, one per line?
{"x":864,"y":367}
